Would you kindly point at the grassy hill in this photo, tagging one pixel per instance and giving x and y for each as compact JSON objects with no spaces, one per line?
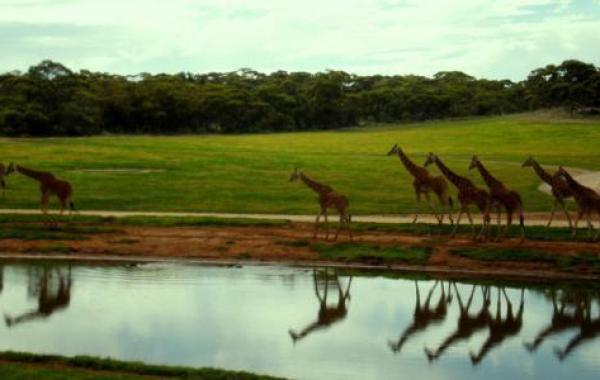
{"x":249,"y":173}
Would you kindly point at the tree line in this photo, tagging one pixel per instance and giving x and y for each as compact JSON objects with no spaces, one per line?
{"x":52,"y":100}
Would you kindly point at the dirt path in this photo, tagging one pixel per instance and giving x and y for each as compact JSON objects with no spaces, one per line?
{"x":531,"y":219}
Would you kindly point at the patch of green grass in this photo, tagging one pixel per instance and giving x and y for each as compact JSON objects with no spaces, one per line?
{"x":249,"y":173}
{"x":41,"y":232}
{"x":537,"y":233}
{"x":587,"y":261}
{"x":295,"y":243}
{"x":32,"y":366}
{"x":370,"y":253}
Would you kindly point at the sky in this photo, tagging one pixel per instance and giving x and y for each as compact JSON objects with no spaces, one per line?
{"x":496,"y":39}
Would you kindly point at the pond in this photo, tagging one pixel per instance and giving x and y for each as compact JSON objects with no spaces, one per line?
{"x":303,"y":323}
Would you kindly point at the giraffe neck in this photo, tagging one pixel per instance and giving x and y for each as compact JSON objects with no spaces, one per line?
{"x":490,"y":181}
{"x":457,"y":180}
{"x":408,"y":164}
{"x":36,"y":175}
{"x":544,"y":175}
{"x":314,"y":185}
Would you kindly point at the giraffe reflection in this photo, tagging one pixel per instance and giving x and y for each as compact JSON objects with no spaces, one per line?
{"x":467,"y":323}
{"x":588,"y":328}
{"x":568,"y":316}
{"x":328,"y":315}
{"x":501,"y":328}
{"x":425,"y":316}
{"x":52,"y":286}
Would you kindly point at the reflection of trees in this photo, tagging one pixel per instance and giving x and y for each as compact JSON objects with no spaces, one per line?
{"x":424,"y":315}
{"x":327,"y":315}
{"x":467,"y":324}
{"x":52,"y":287}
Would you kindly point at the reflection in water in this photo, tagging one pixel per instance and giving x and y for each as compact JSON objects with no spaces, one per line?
{"x":328,"y":315}
{"x":467,"y":324}
{"x":501,"y":327}
{"x":588,"y":328}
{"x":425,"y":316}
{"x":212,"y":316}
{"x":52,"y":287}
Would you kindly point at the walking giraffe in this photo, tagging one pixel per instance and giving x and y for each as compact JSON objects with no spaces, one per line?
{"x":558,"y":185}
{"x":424,"y":183}
{"x":468,"y":194}
{"x":328,"y":198}
{"x":587,"y":200}
{"x":501,"y":196}
{"x":49,"y":185}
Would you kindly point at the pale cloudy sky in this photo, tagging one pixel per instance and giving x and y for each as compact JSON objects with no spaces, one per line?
{"x":485,"y":38}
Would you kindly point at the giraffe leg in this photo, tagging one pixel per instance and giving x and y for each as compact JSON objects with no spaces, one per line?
{"x":460,"y":213}
{"x":598,"y":229}
{"x":44,"y":206}
{"x":556,"y":203}
{"x":418,"y":193}
{"x":326,"y":225}
{"x":589,"y":224}
{"x":348,"y":221}
{"x":439,"y":218}
{"x":471,"y":223}
{"x":340,"y":225}
{"x":317,"y":224}
{"x":509,"y":216}
{"x":579,"y":215}
{"x":499,"y":223}
{"x":564,"y":208}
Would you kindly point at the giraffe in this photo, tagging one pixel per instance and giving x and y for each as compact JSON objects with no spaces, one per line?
{"x":561,"y":321}
{"x":589,"y":329}
{"x":468,"y":194}
{"x":3,"y":173}
{"x":424,"y":316}
{"x":424,"y":183}
{"x":501,"y":196}
{"x":588,"y":201}
{"x":328,"y":198}
{"x":560,"y":189}
{"x":467,"y":324}
{"x":327,"y":315}
{"x":53,"y":291}
{"x":49,"y":185}
{"x":501,"y":328}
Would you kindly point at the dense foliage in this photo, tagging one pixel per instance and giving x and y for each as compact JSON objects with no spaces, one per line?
{"x":49,"y":99}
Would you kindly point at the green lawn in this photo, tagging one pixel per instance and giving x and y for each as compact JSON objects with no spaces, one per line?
{"x":249,"y":173}
{"x":19,"y":365}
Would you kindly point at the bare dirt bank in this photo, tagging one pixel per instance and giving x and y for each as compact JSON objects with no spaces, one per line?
{"x":293,"y":244}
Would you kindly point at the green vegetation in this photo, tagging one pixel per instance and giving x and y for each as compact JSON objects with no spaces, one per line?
{"x":372,"y":253}
{"x":16,"y":365}
{"x":43,"y":232}
{"x":249,"y":173}
{"x":568,"y":263}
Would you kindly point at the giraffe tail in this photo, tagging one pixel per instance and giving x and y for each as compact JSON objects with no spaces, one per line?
{"x":72,"y":206}
{"x":451,"y":202}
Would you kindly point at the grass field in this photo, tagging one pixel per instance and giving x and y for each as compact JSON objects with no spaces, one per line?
{"x":249,"y":173}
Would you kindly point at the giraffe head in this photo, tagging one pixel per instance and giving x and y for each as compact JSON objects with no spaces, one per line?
{"x":529,"y":162}
{"x":295,"y":175}
{"x":10,"y":169}
{"x":474,"y":162}
{"x":395,"y":150}
{"x":431,"y":158}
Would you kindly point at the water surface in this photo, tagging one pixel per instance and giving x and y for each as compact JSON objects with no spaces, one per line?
{"x":302,"y":323}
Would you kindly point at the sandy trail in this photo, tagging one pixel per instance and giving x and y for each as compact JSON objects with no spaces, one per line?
{"x":531,"y":218}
